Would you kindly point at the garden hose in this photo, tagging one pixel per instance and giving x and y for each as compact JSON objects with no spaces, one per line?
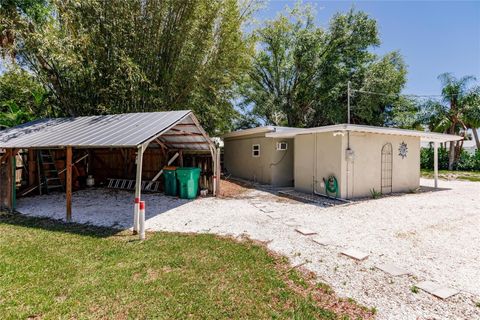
{"x":331,"y":186}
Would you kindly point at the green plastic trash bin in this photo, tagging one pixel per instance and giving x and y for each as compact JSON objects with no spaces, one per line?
{"x":188,"y":182}
{"x":170,"y":181}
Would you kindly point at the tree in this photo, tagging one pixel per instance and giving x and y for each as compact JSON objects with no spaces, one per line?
{"x":22,"y":98}
{"x":456,"y":113}
{"x":14,"y":115}
{"x":300,"y":71}
{"x":471,"y":114}
{"x":98,"y":56}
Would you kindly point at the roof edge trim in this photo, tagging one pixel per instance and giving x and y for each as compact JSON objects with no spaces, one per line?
{"x":425,"y":136}
{"x":247,"y":132}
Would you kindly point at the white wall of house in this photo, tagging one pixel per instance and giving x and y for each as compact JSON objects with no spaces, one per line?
{"x":320,"y":155}
{"x":365,"y":172}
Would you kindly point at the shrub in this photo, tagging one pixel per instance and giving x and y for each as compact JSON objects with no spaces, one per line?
{"x":426,"y":158}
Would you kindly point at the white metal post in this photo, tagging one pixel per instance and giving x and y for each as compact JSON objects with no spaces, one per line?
{"x":136,"y":208}
{"x":435,"y":163}
{"x":348,"y":102}
{"x":141,"y":214}
{"x":219,"y":171}
{"x":138,"y":188}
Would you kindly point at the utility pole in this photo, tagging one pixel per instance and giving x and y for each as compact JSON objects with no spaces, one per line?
{"x":348,"y":102}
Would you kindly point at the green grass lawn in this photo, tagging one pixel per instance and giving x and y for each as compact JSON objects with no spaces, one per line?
{"x":452,"y":175}
{"x":52,"y":270}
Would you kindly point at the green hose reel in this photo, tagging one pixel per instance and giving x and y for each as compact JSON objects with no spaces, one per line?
{"x":331,"y":186}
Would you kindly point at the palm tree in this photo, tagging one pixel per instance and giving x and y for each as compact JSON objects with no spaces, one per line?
{"x":456,"y":94}
{"x":471,"y":115}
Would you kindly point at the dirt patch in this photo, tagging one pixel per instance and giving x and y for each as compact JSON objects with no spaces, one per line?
{"x":232,"y":189}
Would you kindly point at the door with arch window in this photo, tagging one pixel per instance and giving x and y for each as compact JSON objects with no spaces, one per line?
{"x":387,"y":166}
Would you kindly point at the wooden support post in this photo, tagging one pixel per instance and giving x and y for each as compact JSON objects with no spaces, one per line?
{"x":39,"y":174}
{"x":68,"y":183}
{"x":214,"y":171}
{"x":8,"y":164}
{"x":435,"y":163}
{"x":13,"y":162}
{"x":31,"y":167}
{"x":138,"y":189}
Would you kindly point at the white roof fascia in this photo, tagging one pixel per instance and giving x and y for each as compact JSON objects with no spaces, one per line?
{"x":247,"y":132}
{"x":424,"y":136}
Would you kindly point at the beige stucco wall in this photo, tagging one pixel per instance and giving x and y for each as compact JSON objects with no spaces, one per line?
{"x":272,"y":167}
{"x":357,"y":178}
{"x":364,"y":174}
{"x":328,"y":149}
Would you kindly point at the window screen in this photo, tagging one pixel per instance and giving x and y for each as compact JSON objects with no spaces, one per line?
{"x":282,"y":146}
{"x":256,"y":150}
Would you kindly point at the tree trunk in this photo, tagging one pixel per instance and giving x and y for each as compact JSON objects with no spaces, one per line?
{"x":475,"y":135}
{"x":451,"y":155}
{"x":451,"y":151}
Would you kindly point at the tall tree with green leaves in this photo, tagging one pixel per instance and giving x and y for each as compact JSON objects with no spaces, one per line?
{"x":300,"y":71}
{"x":99,"y":56}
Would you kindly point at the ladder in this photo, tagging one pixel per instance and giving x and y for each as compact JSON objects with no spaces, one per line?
{"x":48,"y":173}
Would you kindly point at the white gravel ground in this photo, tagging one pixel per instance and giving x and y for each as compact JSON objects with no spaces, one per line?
{"x":434,"y":235}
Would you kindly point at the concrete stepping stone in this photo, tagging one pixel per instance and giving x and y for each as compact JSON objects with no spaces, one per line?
{"x":305,"y":231}
{"x":393,"y":270}
{"x":321,"y":241}
{"x":436,"y":289}
{"x":355,"y":254}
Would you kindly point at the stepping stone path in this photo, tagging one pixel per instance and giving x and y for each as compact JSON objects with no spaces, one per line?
{"x":393,"y":270}
{"x":305,"y":231}
{"x":436,"y":289}
{"x":321,"y":241}
{"x":355,"y":254}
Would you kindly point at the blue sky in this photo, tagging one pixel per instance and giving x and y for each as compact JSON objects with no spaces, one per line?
{"x":433,"y":36}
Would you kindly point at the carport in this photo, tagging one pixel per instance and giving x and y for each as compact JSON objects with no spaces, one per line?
{"x":177,"y":132}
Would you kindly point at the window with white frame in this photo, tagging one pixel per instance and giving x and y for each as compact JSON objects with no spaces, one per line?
{"x":255,"y":150}
{"x":281,"y":146}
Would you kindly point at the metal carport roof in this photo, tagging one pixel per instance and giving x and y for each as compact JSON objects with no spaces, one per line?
{"x":119,"y":130}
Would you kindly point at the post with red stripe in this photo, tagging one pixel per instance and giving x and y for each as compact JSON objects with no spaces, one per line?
{"x":141,"y":216}
{"x":136,"y":207}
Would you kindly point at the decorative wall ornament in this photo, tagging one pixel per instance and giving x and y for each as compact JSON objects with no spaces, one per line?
{"x":403,"y":150}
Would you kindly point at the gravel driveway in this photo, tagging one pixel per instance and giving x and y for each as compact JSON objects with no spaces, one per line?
{"x":435,"y":235}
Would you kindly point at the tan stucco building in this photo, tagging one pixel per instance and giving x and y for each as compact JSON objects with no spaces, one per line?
{"x":359,"y":160}
{"x":249,"y":154}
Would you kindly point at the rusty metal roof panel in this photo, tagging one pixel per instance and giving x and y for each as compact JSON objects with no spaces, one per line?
{"x":119,"y":130}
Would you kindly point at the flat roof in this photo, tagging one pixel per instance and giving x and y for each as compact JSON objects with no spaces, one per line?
{"x":257,"y":130}
{"x":424,"y":136}
{"x":176,"y":129}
